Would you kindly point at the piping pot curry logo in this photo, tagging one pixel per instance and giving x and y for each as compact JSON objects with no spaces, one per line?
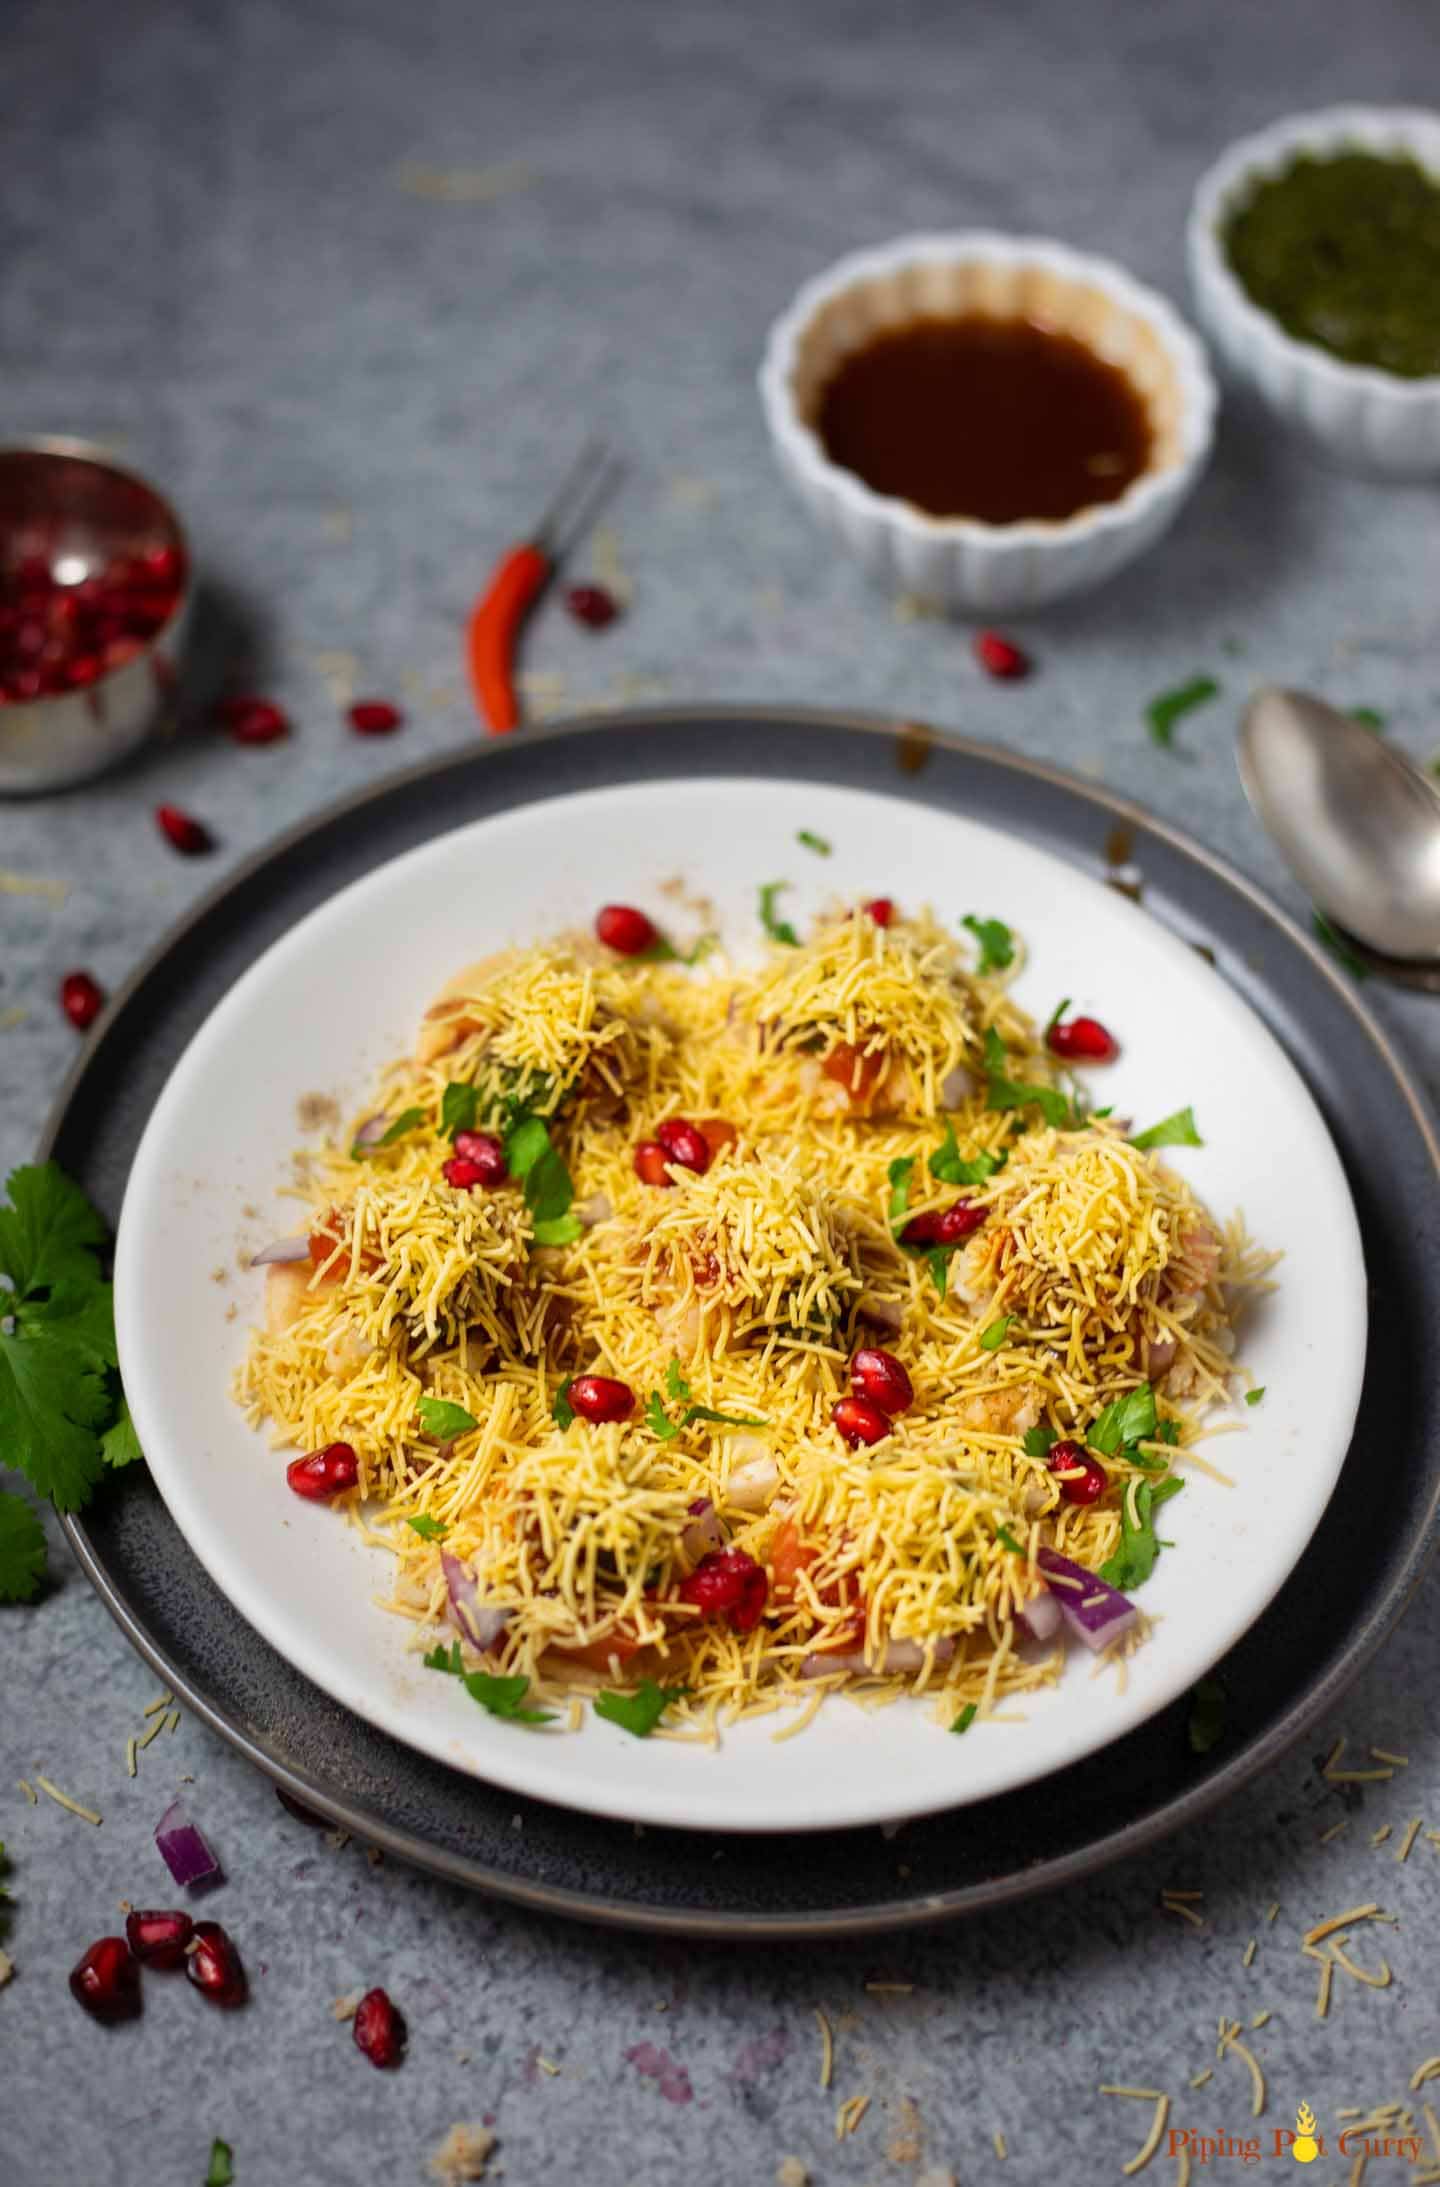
{"x":1304,"y":2148}
{"x":1304,"y":2144}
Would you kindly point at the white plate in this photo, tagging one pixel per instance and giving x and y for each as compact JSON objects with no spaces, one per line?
{"x":326,"y":1006}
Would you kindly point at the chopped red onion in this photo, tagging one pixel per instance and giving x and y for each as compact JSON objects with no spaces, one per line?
{"x":475,"y":1621}
{"x":1094,"y":1611}
{"x":704,"y":1532}
{"x":184,"y":1851}
{"x":1040,"y":1616}
{"x":280,"y":1251}
{"x":895,"y":1658}
{"x":372,"y":1131}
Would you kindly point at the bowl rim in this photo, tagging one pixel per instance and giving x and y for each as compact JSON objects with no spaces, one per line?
{"x":1183,"y":348}
{"x":1264,"y":151}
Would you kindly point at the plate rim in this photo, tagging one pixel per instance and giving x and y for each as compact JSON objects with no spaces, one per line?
{"x":1129,"y":1838}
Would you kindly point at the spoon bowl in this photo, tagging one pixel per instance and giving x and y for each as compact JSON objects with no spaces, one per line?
{"x":1356,"y":823}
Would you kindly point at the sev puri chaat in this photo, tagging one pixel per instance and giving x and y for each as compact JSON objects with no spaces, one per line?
{"x":706,"y":1338}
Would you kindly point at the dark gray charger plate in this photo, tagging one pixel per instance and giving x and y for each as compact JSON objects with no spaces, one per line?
{"x":1352,"y":1583}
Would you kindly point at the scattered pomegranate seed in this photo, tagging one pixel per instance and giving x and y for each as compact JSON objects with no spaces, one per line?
{"x":1087,"y":1482}
{"x":650,"y":1161}
{"x":483,"y":1152}
{"x":598,"y":1397}
{"x":379,"y":2029}
{"x":727,"y":1583}
{"x":944,"y":1226}
{"x":883,"y":1380}
{"x":213,"y":1965}
{"x":881,"y":909}
{"x":253,"y":721}
{"x":1082,"y":1040}
{"x":860,"y":1420}
{"x":717,"y":1134}
{"x":374,"y":717}
{"x":106,"y":1980}
{"x":82,"y":999}
{"x":592,"y":605}
{"x":999,"y":657}
{"x":463,"y":1175}
{"x":684,"y":1143}
{"x":624,"y":929}
{"x":159,"y":1940}
{"x":189,"y":836}
{"x":324,"y":1473}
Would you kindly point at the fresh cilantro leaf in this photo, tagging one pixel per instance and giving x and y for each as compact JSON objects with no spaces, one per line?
{"x":222,"y":2169}
{"x":77,"y":1316}
{"x":459,"y":1108}
{"x":562,"y":1412}
{"x":22,"y":1551}
{"x":1209,"y":1706}
{"x":1253,"y":1397}
{"x":1174,"y":1131}
{"x":120,"y":1445}
{"x":429,"y":1530}
{"x":449,"y":1659}
{"x":1005,"y":1092}
{"x":1368,"y":718}
{"x":404,"y":1122}
{"x":501,"y":1696}
{"x":966,"y":1717}
{"x":937,"y":1260}
{"x":997,"y":943}
{"x":638,"y":1712}
{"x":813,"y":842}
{"x":1338,"y":947}
{"x":1134,"y":1560}
{"x":1056,"y":1015}
{"x":992,"y":1338}
{"x":950,"y":1166}
{"x":1039,"y":1442}
{"x":532,"y":1156}
{"x":444,"y":1421}
{"x":779,"y":930}
{"x":900,"y":1170}
{"x":1129,"y":1419}
{"x":675,"y":1384}
{"x":1097,"y":1114}
{"x":52,"y":1408}
{"x":722,"y":1419}
{"x":1003,"y":1534}
{"x":49,"y":1231}
{"x":662,"y":951}
{"x":556,"y":1229}
{"x":658,"y":1420}
{"x":1169,"y":706}
{"x":1167,"y":1432}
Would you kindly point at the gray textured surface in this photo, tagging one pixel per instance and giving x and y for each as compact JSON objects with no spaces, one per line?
{"x":210,"y":258}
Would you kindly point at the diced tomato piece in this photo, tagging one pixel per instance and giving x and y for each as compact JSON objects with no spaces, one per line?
{"x":858,"y":1070}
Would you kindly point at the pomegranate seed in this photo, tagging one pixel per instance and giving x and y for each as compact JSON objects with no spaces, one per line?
{"x":944,"y":1226}
{"x":860,"y":1420}
{"x":684,"y":1143}
{"x":253,"y":721}
{"x":85,"y":668}
{"x":881,"y":910}
{"x":1087,"y":1477}
{"x":213,"y":1965}
{"x":379,"y":2029}
{"x":162,"y":567}
{"x":1082,"y":1040}
{"x":189,"y":836}
{"x":82,"y":999}
{"x":625,"y":930}
{"x":106,"y":1981}
{"x":999,"y":657}
{"x":159,"y":1940}
{"x":374,"y":717}
{"x":463,"y":1175}
{"x":882,"y":1380}
{"x":484,"y":1153}
{"x":650,"y":1161}
{"x":26,"y":683}
{"x":324,"y":1473}
{"x":600,"y":1397}
{"x":727,"y":1583}
{"x":592,"y":605}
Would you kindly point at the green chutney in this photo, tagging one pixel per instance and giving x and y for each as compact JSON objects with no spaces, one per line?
{"x":1344,"y":250}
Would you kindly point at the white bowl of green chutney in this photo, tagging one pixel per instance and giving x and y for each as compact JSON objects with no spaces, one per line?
{"x":1314,"y":251}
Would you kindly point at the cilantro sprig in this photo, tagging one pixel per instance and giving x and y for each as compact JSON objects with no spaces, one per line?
{"x":429,"y":1530}
{"x":404,"y":1123}
{"x":778,"y":929}
{"x":813,"y":842}
{"x":222,"y":2168}
{"x":1168,"y":707}
{"x":503,"y":1697}
{"x":966,"y":1717}
{"x":1005,"y":1092}
{"x":1179,"y":1130}
{"x":62,"y":1415}
{"x":638,"y":1712}
{"x":443,"y":1420}
{"x":952,"y":1168}
{"x":997,"y":943}
{"x":532,"y":1156}
{"x":1134,"y":1560}
{"x":660,"y":1424}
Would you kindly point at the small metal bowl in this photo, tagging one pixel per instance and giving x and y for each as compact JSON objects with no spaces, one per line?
{"x":66,"y":503}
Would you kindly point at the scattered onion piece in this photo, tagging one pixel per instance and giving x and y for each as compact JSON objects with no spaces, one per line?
{"x":182,"y":1848}
{"x":704,"y":1532}
{"x":472,"y":1619}
{"x":281,"y":1252}
{"x":372,"y":1131}
{"x":1096,"y":1623}
{"x":1040,"y":1616}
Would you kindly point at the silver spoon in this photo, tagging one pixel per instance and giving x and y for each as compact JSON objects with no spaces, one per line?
{"x":1357,"y":824}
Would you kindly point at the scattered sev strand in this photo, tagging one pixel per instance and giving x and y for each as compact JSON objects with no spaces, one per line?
{"x":1412,"y":1832}
{"x":1427,"y":2070}
{"x":849,"y":2115}
{"x":130,"y":1763}
{"x":1335,"y":1776}
{"x":157,"y":1725}
{"x":1000,"y":2149}
{"x":827,"y":2048}
{"x":1370,"y":1911}
{"x":29,"y":1791}
{"x":63,"y":1799}
{"x":1152,"y":2140}
{"x":1230,"y":2040}
{"x":1336,"y":1830}
{"x":159,"y":1705}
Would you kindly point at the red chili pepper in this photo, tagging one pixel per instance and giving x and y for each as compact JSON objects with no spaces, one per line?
{"x":515,"y":584}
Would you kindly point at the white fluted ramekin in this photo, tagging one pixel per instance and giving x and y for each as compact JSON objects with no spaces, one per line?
{"x":1366,"y":419}
{"x":960,"y":562}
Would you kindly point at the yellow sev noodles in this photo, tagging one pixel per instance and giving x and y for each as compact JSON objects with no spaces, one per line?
{"x":744,"y":1290}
